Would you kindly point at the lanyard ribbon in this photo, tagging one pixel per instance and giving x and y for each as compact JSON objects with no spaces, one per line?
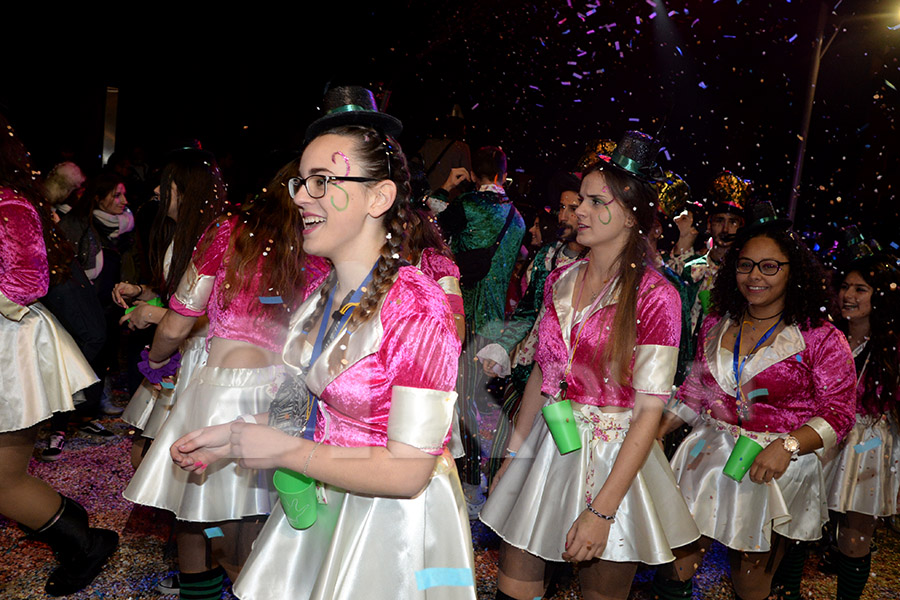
{"x":329,"y":334}
{"x":564,"y":384}
{"x":738,"y":365}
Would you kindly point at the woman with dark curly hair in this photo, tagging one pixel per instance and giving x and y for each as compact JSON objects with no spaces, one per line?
{"x":773,"y":374}
{"x":376,"y":349}
{"x":42,"y":369}
{"x":863,"y":475}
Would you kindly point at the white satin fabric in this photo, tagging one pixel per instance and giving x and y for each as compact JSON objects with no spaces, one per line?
{"x":743,"y":515}
{"x":542,"y":493}
{"x":224,"y":491}
{"x":865,"y":482}
{"x":149,"y":408}
{"x":365,"y":547}
{"x":42,"y":368}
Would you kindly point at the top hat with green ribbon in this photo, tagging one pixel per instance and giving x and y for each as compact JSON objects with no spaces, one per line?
{"x":352,"y":105}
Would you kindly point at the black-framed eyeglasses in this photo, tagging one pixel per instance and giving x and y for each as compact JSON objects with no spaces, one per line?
{"x":768,"y":266}
{"x":317,"y":185}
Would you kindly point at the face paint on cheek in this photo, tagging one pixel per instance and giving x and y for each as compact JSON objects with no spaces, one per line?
{"x":346,"y":161}
{"x":346,"y":199}
{"x":608,"y":216}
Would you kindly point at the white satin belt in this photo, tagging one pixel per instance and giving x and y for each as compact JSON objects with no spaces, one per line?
{"x":11,"y":310}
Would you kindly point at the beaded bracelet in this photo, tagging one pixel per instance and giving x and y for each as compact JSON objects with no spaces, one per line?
{"x":600,"y":514}
{"x":309,"y":458}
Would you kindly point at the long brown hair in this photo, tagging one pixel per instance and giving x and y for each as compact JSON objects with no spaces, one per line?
{"x":639,"y":198}
{"x":269,"y":231}
{"x":201,"y":199}
{"x":16,"y":173}
{"x":375,"y":151}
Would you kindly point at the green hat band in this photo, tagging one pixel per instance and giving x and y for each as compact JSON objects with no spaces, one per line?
{"x":632,"y":166}
{"x":349,"y":108}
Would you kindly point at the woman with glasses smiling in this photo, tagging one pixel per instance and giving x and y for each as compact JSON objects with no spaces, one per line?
{"x":772,"y":371}
{"x":373,"y":356}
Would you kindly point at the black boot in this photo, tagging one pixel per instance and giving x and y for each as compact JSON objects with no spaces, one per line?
{"x":82,"y":551}
{"x":670,"y":589}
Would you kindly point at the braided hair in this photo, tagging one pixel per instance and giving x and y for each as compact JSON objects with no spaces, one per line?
{"x":381,"y":158}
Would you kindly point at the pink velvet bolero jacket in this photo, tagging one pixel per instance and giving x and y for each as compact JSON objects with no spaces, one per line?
{"x":24,"y":275}
{"x":805,"y":377}
{"x":262,"y":321}
{"x":445,"y":272}
{"x":392,"y":378}
{"x":656,"y":346}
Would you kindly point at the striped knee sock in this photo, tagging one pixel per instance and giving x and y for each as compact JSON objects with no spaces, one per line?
{"x":671,"y":589}
{"x":853,"y":573}
{"x":786,"y":581}
{"x":202,"y":586}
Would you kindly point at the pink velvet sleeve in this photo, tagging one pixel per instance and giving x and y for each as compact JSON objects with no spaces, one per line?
{"x":834,"y":377}
{"x":659,"y":316}
{"x":437,"y":266}
{"x":694,"y":388}
{"x":420,"y":348}
{"x":207,"y":259}
{"x":24,"y":275}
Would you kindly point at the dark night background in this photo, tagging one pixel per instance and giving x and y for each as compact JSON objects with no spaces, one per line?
{"x":723,"y":82}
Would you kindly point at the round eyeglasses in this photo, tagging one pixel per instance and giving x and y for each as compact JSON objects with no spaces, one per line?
{"x":768,"y":266}
{"x":317,"y":185}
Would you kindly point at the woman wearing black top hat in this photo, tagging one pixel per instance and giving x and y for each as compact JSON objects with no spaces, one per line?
{"x":608,"y":343}
{"x":380,"y":366}
{"x":769,"y":332}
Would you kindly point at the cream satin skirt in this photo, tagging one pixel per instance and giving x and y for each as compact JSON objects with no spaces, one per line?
{"x":149,"y":408}
{"x":743,"y":515}
{"x":369,"y":547}
{"x":542,"y":493}
{"x":865,"y":479}
{"x":224,"y":491}
{"x":42,"y":368}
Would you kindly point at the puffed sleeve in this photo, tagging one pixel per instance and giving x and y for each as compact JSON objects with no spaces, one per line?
{"x":24,"y":275}
{"x":834,"y":379}
{"x":196,"y":286}
{"x":420,"y":351}
{"x":692,"y":392}
{"x":445,"y":272}
{"x":658,"y":335}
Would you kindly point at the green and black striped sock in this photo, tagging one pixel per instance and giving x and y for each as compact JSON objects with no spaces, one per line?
{"x":786,"y":581}
{"x":671,"y":589}
{"x":202,"y":586}
{"x":853,"y":573}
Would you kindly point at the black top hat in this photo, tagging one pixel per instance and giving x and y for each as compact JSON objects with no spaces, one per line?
{"x":636,"y":154}
{"x":352,"y":105}
{"x":728,"y":193}
{"x":761,"y":215}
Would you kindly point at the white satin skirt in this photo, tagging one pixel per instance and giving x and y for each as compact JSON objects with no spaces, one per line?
{"x":865,"y":480}
{"x":42,"y":368}
{"x":224,"y":491}
{"x":542,"y":493}
{"x":743,"y":515}
{"x":369,"y":547}
{"x":149,"y":408}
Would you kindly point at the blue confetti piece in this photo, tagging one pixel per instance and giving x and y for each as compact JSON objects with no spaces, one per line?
{"x":168,"y":385}
{"x":895,"y":246}
{"x":680,"y":53}
{"x":794,"y":37}
{"x":271,"y":299}
{"x":434,"y":577}
{"x":213,"y":532}
{"x":895,"y":27}
{"x":870,"y":445}
{"x":759,"y":392}
{"x":698,"y":448}
{"x":799,"y":358}
{"x":702,"y":85}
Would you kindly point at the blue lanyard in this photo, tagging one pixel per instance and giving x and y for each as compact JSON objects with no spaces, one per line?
{"x":738,"y":365}
{"x":334,"y":330}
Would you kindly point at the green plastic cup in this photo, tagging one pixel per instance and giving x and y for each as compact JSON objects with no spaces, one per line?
{"x":745,"y":451}
{"x":298,"y":497}
{"x":561,"y":421}
{"x":704,"y":296}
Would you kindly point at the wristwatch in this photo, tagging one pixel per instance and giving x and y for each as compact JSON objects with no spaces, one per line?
{"x":791,"y":444}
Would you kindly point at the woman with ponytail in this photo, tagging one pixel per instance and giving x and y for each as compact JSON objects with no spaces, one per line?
{"x":378,"y":351}
{"x":608,"y":343}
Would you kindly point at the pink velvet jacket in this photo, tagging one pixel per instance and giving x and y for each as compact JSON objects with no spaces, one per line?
{"x":445,"y":272}
{"x":805,"y":377}
{"x":410,"y":341}
{"x":248,"y":317}
{"x":653,"y":363}
{"x":24,"y":275}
